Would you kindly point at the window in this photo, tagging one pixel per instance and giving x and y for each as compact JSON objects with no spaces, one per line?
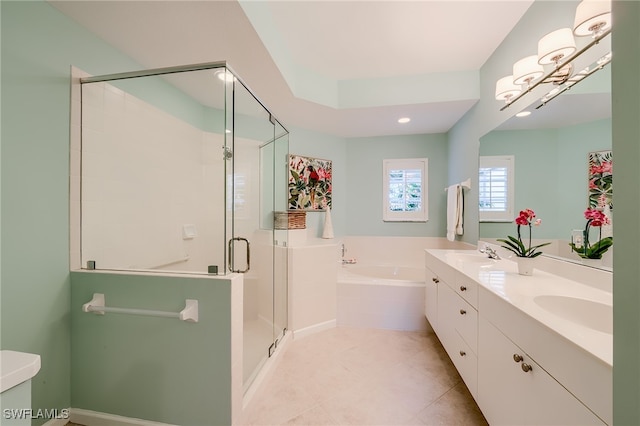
{"x":405,"y":190}
{"x":496,"y":184}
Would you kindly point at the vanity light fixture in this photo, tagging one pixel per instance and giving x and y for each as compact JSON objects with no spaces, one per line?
{"x":556,"y":46}
{"x":593,"y":17}
{"x":404,"y":120}
{"x":527,"y":70}
{"x":576,"y":78}
{"x":558,"y":50}
{"x":552,"y":49}
{"x":505,"y":89}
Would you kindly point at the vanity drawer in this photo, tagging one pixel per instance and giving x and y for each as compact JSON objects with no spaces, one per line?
{"x":467,"y":324}
{"x":466,"y":288}
{"x":457,"y":316}
{"x":466,"y":363}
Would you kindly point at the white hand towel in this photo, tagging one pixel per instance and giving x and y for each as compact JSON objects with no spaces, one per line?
{"x":452,"y":212}
{"x":459,"y":209}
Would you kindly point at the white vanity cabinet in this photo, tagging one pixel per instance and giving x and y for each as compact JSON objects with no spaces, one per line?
{"x":519,"y":369}
{"x":514,"y":390}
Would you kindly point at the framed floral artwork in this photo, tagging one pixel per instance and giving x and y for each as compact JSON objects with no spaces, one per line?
{"x":600,"y":179}
{"x":309,"y":183}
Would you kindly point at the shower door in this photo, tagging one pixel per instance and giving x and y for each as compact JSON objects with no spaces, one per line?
{"x":257,"y":187}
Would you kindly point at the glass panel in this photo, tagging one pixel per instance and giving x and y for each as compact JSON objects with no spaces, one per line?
{"x":153,"y":173}
{"x":252,"y":198}
{"x":281,"y":200}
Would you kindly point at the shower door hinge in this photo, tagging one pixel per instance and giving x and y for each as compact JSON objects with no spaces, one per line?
{"x":272,"y":349}
{"x":228,"y":154}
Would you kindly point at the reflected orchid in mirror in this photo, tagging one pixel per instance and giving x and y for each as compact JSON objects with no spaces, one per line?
{"x":595,"y":218}
{"x":528,"y":218}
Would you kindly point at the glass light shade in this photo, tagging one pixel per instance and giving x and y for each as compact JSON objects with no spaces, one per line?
{"x":592,"y":17}
{"x":505,"y":89}
{"x":555,"y":46}
{"x":527,"y":70}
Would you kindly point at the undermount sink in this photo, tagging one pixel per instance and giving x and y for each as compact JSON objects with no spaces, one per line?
{"x":595,"y":315}
{"x":471,"y":258}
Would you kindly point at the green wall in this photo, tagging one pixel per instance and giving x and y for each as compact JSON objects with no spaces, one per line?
{"x":158,"y":369}
{"x":550,"y":174}
{"x":364,"y":183}
{"x":626,"y":257}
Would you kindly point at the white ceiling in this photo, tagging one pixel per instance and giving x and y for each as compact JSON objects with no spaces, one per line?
{"x":289,"y":51}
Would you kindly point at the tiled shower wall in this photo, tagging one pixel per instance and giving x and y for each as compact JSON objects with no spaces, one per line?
{"x":146,"y":174}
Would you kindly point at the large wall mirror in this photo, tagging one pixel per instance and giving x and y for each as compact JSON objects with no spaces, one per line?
{"x":551,"y":150}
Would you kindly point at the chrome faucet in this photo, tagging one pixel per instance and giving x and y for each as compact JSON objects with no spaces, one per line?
{"x":491,"y":253}
{"x":347,"y":261}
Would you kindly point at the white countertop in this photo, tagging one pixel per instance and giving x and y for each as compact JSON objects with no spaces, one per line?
{"x":16,"y":368}
{"x":502,"y":279}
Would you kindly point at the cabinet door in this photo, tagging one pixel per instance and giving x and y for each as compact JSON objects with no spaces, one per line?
{"x":509,"y":395}
{"x":431,"y":299}
{"x":500,"y":395}
{"x":447,"y":318}
{"x":550,"y":403}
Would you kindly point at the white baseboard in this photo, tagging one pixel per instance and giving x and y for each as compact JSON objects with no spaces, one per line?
{"x":56,"y":422}
{"x":95,"y":418}
{"x":314,"y":329}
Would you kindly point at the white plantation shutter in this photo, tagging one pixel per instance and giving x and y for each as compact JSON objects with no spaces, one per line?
{"x":496,"y":188}
{"x":405,"y":190}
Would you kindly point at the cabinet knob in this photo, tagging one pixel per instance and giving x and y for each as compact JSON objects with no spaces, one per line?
{"x":435,"y":280}
{"x":462,"y":353}
{"x":463,"y":288}
{"x":517,"y":357}
{"x":462,"y":312}
{"x":526,"y":367}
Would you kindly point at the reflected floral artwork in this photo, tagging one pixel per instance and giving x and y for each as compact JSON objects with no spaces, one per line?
{"x":601,"y":179}
{"x":309,"y":183}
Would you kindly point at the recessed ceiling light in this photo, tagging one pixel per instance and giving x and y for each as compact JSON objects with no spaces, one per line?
{"x":404,"y":120}
{"x":523,"y":114}
{"x":224,"y":75}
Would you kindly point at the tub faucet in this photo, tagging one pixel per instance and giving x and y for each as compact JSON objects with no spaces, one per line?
{"x":491,"y":253}
{"x":346,"y":261}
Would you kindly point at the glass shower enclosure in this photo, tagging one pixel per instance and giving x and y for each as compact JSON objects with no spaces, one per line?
{"x":182,"y":169}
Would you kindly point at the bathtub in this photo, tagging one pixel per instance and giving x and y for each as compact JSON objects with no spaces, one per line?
{"x":381,"y":296}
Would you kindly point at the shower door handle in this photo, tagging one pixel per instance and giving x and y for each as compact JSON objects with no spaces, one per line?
{"x":231,"y":260}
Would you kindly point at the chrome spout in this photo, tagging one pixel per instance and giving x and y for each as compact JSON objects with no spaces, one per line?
{"x":491,"y":253}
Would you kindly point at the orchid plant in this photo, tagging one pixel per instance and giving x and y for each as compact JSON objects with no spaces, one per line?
{"x":527,"y":218}
{"x":595,"y":218}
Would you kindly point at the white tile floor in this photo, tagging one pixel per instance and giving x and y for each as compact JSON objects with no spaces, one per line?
{"x":349,"y":376}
